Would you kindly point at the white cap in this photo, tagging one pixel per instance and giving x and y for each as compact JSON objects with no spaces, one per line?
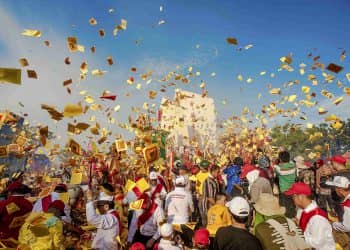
{"x":180,"y":180}
{"x":299,"y":158}
{"x":339,"y":181}
{"x":166,"y":230}
{"x":105,"y":197}
{"x":238,"y":206}
{"x":153,"y":175}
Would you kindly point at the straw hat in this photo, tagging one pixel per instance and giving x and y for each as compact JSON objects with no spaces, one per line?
{"x":268,"y":205}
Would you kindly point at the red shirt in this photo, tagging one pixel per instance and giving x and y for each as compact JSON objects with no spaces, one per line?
{"x":6,"y":219}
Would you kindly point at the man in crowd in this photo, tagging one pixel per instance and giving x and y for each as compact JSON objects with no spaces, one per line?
{"x":324,"y":198}
{"x":44,"y":230}
{"x":342,"y":188}
{"x":210,"y":189}
{"x":218,"y":215}
{"x":145,"y":224}
{"x":183,"y":171}
{"x":237,"y":236}
{"x":200,"y":179}
{"x":157,"y":192}
{"x":107,"y":221}
{"x":232,"y":173}
{"x":286,"y":173}
{"x":313,"y":220}
{"x":341,"y":183}
{"x":14,"y":210}
{"x":257,"y":184}
{"x":304,"y":172}
{"x":274,"y":230}
{"x":338,"y":163}
{"x":179,"y":204}
{"x":41,"y":205}
{"x":167,"y":234}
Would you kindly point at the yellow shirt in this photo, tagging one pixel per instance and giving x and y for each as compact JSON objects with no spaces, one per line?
{"x":42,"y":231}
{"x":218,"y":216}
{"x":201,"y":177}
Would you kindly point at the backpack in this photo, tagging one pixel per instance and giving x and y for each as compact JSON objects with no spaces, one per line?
{"x":288,"y":234}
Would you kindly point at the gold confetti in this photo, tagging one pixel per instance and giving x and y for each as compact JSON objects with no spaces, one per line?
{"x":110,"y":60}
{"x":97,"y":72}
{"x":31,"y":33}
{"x":89,"y":99}
{"x":292,"y":98}
{"x":92,"y":21}
{"x":275,"y":91}
{"x":305,"y":89}
{"x":117,"y":108}
{"x":231,"y":40}
{"x":322,"y":111}
{"x":338,"y":100}
{"x":23,"y":62}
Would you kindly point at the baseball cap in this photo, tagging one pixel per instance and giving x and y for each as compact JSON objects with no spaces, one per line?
{"x":201,"y":237}
{"x":298,"y":188}
{"x":153,"y":175}
{"x":238,"y":206}
{"x":264,"y":162}
{"x":137,"y":246}
{"x":339,"y":159}
{"x":204,"y":164}
{"x":339,"y":181}
{"x":180,"y":180}
{"x":166,"y":230}
{"x":105,"y":197}
{"x":320,"y":162}
{"x":62,"y":186}
{"x":58,"y":204}
{"x":18,"y":187}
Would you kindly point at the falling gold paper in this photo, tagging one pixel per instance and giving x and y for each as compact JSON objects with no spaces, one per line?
{"x":32,"y":33}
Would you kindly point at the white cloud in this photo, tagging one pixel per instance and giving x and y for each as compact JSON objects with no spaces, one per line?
{"x":49,"y":64}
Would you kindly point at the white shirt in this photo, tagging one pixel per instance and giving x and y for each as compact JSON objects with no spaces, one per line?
{"x":150,"y":227}
{"x":167,"y":245}
{"x":179,"y":205}
{"x":344,"y":226}
{"x":107,"y":228}
{"x":318,"y":232}
{"x":129,"y":198}
{"x":38,"y":207}
{"x":160,"y":196}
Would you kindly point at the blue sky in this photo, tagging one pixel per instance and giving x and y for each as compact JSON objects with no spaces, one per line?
{"x":275,"y":28}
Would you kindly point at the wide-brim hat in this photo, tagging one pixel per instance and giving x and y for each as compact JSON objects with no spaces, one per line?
{"x":268,"y":205}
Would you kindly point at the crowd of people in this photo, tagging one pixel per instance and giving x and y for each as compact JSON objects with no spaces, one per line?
{"x":248,"y":204}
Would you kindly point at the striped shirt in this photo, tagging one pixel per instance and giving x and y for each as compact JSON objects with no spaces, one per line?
{"x":210,"y":189}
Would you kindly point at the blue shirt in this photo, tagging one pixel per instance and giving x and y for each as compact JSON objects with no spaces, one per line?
{"x":233,"y":177}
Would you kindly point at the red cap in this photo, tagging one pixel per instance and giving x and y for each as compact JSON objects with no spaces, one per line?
{"x":298,"y":188}
{"x":339,"y":159}
{"x":59,"y":205}
{"x":246,"y":169}
{"x":17,"y":185}
{"x":320,"y":162}
{"x":201,"y":237}
{"x":62,"y":185}
{"x":194,"y":170}
{"x":137,"y":246}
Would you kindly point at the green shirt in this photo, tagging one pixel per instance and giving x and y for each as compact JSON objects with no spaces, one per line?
{"x":286,"y":181}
